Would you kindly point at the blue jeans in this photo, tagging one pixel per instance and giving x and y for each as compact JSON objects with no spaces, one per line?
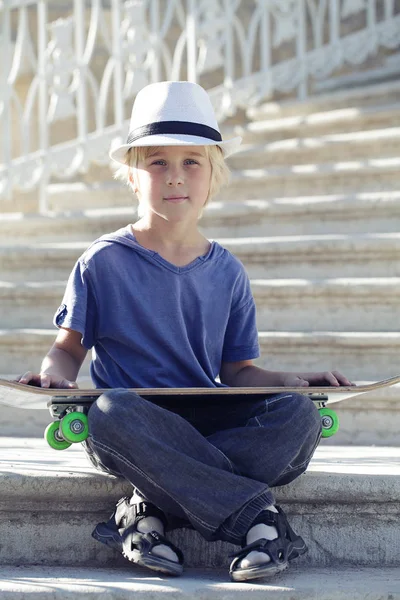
{"x":210,"y":464}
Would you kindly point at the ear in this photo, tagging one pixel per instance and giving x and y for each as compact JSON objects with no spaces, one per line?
{"x":132,"y":181}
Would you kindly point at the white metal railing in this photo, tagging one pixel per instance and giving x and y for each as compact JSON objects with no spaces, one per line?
{"x":70,"y":70}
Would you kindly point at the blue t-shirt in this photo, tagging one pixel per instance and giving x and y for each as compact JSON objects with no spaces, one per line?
{"x":153,"y":324}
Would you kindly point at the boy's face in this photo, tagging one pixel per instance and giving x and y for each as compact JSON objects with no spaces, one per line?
{"x":174,"y":181}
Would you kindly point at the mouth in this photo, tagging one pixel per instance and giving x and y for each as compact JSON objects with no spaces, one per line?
{"x":176,"y":199}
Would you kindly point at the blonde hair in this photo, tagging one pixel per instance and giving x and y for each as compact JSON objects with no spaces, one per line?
{"x":220,"y":173}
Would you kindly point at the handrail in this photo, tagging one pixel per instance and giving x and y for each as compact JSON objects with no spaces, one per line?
{"x":68,"y":78}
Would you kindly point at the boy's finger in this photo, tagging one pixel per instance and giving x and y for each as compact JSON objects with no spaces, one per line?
{"x":25,"y":377}
{"x":331,"y":379}
{"x":45,"y":380}
{"x":342,"y":379}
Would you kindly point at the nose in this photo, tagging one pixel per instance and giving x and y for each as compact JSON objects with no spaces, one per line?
{"x":174,"y":176}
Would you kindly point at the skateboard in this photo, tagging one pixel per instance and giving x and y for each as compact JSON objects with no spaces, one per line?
{"x":70,"y":406}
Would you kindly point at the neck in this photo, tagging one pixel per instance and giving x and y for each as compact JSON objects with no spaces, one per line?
{"x":167,"y":234}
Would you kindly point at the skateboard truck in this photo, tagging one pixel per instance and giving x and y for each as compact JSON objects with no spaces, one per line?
{"x":71,"y":426}
{"x":329,"y":418}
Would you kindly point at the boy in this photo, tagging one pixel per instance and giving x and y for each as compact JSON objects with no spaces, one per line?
{"x":162,"y":306}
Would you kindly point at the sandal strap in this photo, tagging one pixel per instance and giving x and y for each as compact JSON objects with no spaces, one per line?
{"x":277,"y":550}
{"x":145,"y":542}
{"x":133,"y":513}
{"x":280,"y":549}
{"x":146,"y":509}
{"x":277,"y":520}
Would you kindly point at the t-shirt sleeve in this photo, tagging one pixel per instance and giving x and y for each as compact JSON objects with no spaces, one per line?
{"x":78,"y":308}
{"x":241,"y":336}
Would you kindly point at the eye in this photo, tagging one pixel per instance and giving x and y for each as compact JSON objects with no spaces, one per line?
{"x":191,"y":161}
{"x":158,"y":162}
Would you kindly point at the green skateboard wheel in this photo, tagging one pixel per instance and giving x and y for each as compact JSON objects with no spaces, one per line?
{"x":74,"y":427}
{"x":330,"y":422}
{"x":53,"y":437}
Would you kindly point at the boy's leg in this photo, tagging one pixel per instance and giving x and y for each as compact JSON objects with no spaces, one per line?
{"x":277,"y":444}
{"x":172,"y":464}
{"x":179,"y":470}
{"x":270,"y":542}
{"x":220,"y":487}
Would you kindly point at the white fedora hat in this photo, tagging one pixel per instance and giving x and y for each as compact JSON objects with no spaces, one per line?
{"x":173,"y":113}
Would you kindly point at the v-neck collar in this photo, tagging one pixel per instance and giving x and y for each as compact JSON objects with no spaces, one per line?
{"x":167,"y":264}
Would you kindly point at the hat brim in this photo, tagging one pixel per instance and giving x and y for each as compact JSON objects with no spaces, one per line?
{"x":228,"y":147}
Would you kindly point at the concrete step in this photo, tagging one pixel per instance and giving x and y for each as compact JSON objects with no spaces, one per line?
{"x":80,"y":583}
{"x":366,"y":175}
{"x":370,"y":419}
{"x":315,"y":256}
{"x":31,"y":303}
{"x":346,"y":507}
{"x":361,"y":355}
{"x":342,"y":304}
{"x":363,"y":175}
{"x":337,"y":120}
{"x":361,"y":255}
{"x":339,"y":213}
{"x":355,"y":97}
{"x":382,"y":143}
{"x":23,"y":350}
{"x":70,"y":195}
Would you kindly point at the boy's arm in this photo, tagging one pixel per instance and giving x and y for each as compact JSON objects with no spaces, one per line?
{"x":245,"y":374}
{"x":61,"y":365}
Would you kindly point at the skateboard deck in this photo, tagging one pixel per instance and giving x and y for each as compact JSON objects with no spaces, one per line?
{"x":21,"y":395}
{"x":70,"y":406}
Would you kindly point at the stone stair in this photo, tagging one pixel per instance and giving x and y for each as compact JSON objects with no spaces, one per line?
{"x":346,"y":506}
{"x":77,"y":583}
{"x":313,"y":213}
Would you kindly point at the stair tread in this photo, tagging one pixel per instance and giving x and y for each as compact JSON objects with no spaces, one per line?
{"x":347,"y":284}
{"x":202,"y":584}
{"x":82,"y":245}
{"x":213,"y":210}
{"x":350,"y":95}
{"x":363,"y":165}
{"x":25,"y":458}
{"x":319,"y":141}
{"x":326,"y":116}
{"x":21,"y":332}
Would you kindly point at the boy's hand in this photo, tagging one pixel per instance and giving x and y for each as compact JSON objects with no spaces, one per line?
{"x":45,"y":380}
{"x":327,"y":378}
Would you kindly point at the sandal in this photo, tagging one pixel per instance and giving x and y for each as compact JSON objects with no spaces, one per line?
{"x":284,"y":548}
{"x":121,"y":533}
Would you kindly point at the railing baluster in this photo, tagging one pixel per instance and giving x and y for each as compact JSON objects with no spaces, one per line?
{"x":229,"y":71}
{"x":191,"y":40}
{"x":371,"y":14}
{"x":81,"y":93}
{"x":334,"y":21}
{"x":272,"y":26}
{"x":43,"y":104}
{"x":389,"y":8}
{"x":5,"y":101}
{"x":117,"y":66}
{"x":301,"y":48}
{"x":155,"y":28}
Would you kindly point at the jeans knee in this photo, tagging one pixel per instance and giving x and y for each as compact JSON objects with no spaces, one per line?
{"x":110,"y":408}
{"x":307,"y":414}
